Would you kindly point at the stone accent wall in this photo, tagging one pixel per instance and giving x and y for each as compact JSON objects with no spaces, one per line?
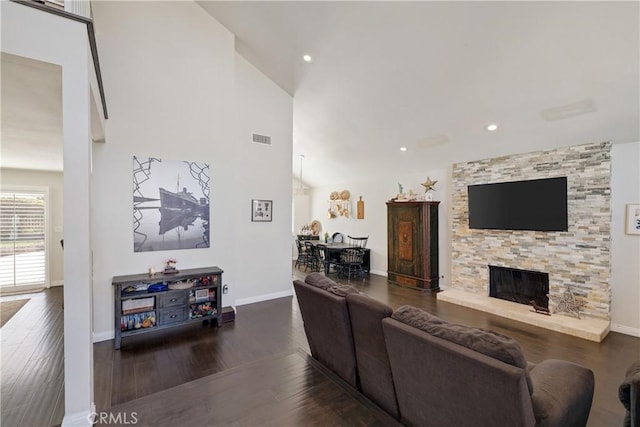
{"x":579,"y":257}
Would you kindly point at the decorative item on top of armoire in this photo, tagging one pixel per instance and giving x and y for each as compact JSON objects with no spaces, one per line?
{"x":360,"y":209}
{"x":412,"y":239}
{"x":428,"y":188}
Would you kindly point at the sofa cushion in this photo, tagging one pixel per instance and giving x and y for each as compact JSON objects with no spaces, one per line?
{"x":328,"y":328}
{"x":323,"y":282}
{"x":319,"y":281}
{"x":374,"y":369}
{"x":342,"y":291}
{"x":489,"y":343}
{"x":413,"y":316}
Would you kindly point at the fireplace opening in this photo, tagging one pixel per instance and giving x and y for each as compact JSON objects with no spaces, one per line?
{"x":521,"y":286}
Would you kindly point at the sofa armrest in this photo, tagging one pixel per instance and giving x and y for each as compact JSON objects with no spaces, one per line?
{"x":629,"y":394}
{"x":562,"y":393}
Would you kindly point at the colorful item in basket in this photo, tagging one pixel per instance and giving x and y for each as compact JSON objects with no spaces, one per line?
{"x":158,"y":287}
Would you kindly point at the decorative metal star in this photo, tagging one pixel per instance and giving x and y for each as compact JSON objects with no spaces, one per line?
{"x":568,"y":303}
{"x":428,"y":184}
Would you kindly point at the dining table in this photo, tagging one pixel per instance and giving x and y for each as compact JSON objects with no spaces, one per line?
{"x":332,"y":252}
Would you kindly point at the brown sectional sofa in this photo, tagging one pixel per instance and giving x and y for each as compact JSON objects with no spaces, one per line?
{"x":425,"y":371}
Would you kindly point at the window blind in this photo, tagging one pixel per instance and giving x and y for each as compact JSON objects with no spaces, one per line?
{"x":22,"y":239}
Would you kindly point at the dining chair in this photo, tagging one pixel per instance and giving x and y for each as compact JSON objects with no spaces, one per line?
{"x":315,"y":257}
{"x":302,"y":254}
{"x":351,"y":262}
{"x":358,"y":242}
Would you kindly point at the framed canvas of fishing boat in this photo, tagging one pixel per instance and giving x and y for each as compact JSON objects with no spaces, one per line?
{"x":261,"y":210}
{"x":170,"y":204}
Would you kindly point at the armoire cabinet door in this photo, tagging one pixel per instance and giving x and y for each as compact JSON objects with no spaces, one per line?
{"x":413,"y":244}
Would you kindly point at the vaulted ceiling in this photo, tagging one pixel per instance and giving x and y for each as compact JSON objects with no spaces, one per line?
{"x":429,"y":76}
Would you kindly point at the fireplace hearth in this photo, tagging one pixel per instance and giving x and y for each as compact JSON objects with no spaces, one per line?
{"x":521,"y":286}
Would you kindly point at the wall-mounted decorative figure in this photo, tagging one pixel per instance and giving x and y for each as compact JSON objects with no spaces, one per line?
{"x":339,"y":204}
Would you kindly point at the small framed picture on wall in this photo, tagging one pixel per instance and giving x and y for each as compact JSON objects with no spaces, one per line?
{"x":261,"y":210}
{"x":633,"y":219}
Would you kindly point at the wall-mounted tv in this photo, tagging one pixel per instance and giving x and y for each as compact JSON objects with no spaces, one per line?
{"x":537,"y":204}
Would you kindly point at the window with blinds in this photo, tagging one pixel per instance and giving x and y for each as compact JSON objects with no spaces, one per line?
{"x":22,"y":238}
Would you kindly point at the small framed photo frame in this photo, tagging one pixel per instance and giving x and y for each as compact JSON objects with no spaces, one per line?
{"x":633,"y":219}
{"x":261,"y":210}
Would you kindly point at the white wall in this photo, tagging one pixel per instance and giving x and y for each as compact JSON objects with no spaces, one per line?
{"x":262,"y":172}
{"x":52,"y":180}
{"x":169,"y":71}
{"x":375,"y":193}
{"x":625,"y":248}
{"x":27,"y":32}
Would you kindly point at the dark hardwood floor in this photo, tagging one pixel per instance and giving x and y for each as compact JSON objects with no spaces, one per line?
{"x":282,"y":390}
{"x":231,"y":367}
{"x":32,"y":383}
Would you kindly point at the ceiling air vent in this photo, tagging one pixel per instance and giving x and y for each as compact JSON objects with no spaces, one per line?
{"x":576,"y":109}
{"x":261,"y":139}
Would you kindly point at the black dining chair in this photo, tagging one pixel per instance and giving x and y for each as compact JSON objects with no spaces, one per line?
{"x":358,"y":242}
{"x":302,"y":254}
{"x":314,"y":258}
{"x":351,"y":262}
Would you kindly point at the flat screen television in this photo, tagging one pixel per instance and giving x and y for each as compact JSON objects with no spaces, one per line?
{"x":537,"y":204}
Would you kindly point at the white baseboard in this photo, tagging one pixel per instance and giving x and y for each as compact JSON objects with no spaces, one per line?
{"x":627,"y":330}
{"x":266,"y":297}
{"x":103,"y":336}
{"x":77,"y":419}
{"x":57,"y":283}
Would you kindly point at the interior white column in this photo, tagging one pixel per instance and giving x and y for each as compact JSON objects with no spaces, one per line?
{"x":28,"y":32}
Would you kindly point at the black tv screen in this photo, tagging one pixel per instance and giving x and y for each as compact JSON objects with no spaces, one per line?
{"x":538,"y":204}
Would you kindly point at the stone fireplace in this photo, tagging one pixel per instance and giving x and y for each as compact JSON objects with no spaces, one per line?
{"x":579,"y":257}
{"x":521,"y":286}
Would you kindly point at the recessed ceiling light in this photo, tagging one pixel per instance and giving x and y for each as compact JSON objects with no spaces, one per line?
{"x":307,"y":58}
{"x":492,"y":127}
{"x":403,"y":148}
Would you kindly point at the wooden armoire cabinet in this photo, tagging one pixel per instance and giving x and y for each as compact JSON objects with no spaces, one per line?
{"x":412,"y":239}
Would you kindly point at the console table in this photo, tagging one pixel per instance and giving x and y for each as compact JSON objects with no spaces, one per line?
{"x":193,"y":295}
